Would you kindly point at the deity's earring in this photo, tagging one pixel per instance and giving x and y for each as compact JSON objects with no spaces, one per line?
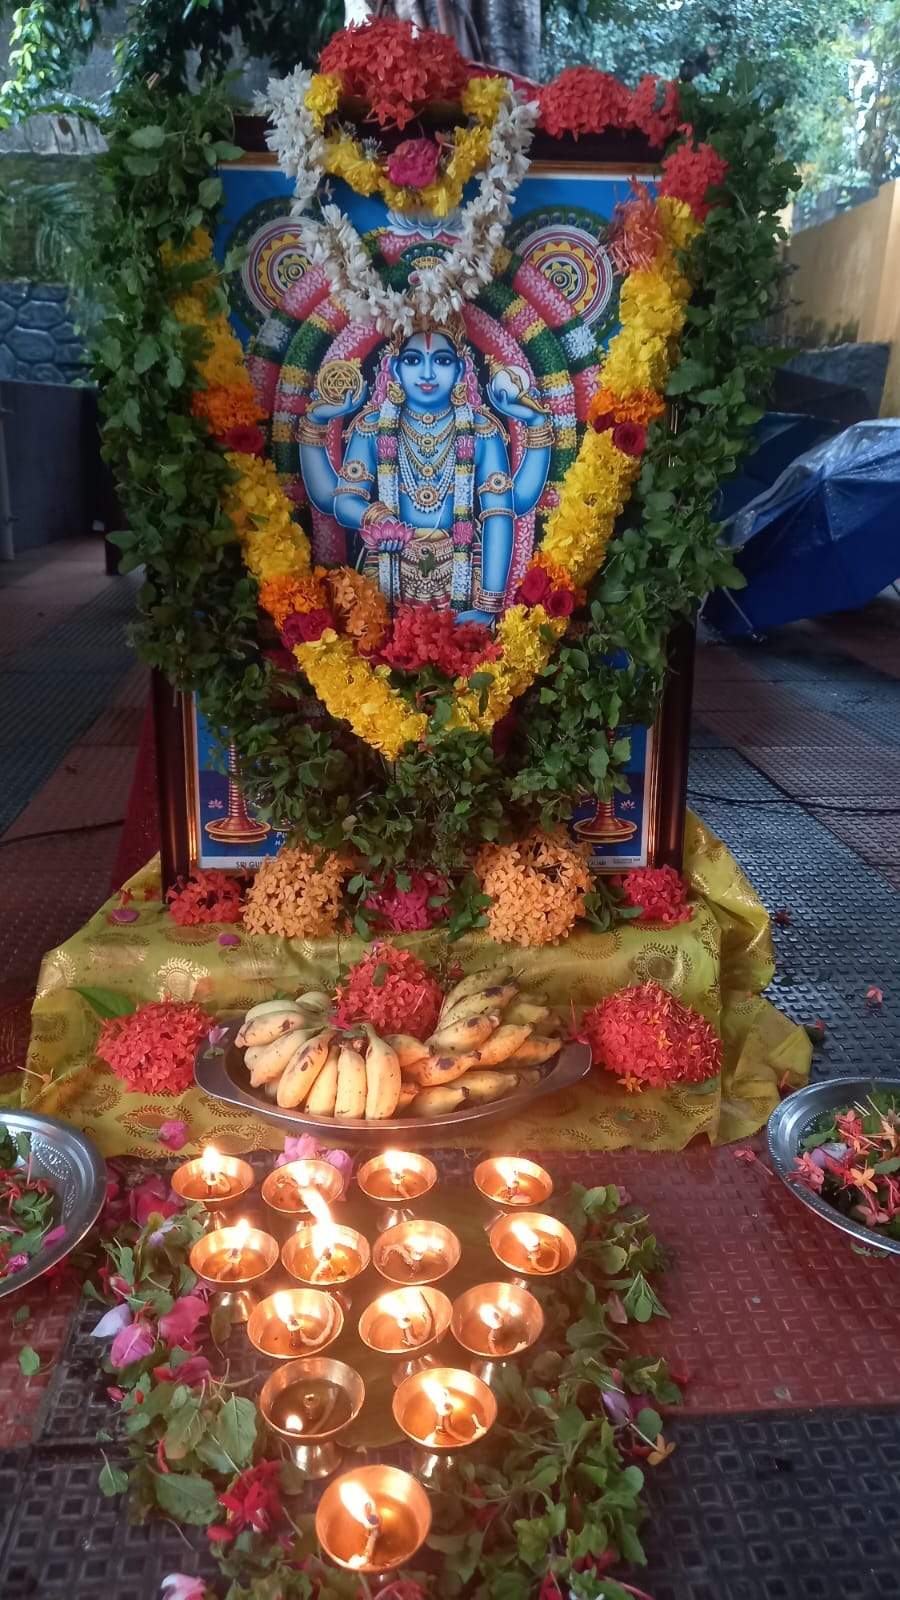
{"x":458,"y":394}
{"x":395,"y":393}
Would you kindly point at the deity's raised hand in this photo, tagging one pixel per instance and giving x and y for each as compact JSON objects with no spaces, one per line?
{"x":337,"y":393}
{"x":508,"y":390}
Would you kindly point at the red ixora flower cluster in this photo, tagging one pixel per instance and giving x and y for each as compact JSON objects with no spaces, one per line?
{"x":152,"y":1050}
{"x":648,"y":1039}
{"x":689,"y":172}
{"x":413,"y":909}
{"x":428,"y":636}
{"x":245,"y":437}
{"x":659,"y":891}
{"x":584,"y":100}
{"x":304,"y":627}
{"x":393,"y":990}
{"x":207,"y":896}
{"x":253,"y":1505}
{"x":537,"y":588}
{"x":395,"y":67}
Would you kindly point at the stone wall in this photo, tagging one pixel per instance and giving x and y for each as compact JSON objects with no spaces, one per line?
{"x":38,"y":341}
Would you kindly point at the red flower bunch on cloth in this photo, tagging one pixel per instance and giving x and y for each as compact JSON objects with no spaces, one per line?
{"x":428,"y":636}
{"x":393,"y":990}
{"x":304,"y":627}
{"x":414,"y":163}
{"x":152,"y":1050}
{"x":409,"y":910}
{"x":649,"y":1040}
{"x":397,"y":69}
{"x":253,"y":1505}
{"x":689,"y":172}
{"x":659,"y":891}
{"x":207,"y":896}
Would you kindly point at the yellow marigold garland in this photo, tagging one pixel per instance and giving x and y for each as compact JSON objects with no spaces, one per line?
{"x":592,"y":496}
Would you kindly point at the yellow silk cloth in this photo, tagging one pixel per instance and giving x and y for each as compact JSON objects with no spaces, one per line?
{"x":717,"y":962}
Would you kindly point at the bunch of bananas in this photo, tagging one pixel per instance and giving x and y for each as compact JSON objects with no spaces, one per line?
{"x":491,"y":1038}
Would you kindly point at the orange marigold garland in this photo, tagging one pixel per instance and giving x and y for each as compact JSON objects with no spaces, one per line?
{"x":297,"y":894}
{"x":153,"y":1049}
{"x":650,"y":1040}
{"x":537,"y":887}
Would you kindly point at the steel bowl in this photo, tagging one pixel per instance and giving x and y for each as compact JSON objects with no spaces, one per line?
{"x":77,"y":1171}
{"x":795,"y":1119}
{"x":219,"y":1071}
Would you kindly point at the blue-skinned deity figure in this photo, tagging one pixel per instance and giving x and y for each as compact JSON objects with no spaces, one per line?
{"x":423,"y":481}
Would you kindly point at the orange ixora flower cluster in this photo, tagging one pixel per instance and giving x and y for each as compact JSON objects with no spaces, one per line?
{"x":230,"y":405}
{"x":359,"y":605}
{"x":282,"y":595}
{"x":537,"y":887}
{"x":297,"y":894}
{"x":642,"y":406}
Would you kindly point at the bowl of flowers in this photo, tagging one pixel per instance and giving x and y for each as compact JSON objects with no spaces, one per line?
{"x":837,"y":1147}
{"x":52,"y":1187}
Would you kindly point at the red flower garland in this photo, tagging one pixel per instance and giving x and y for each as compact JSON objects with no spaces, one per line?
{"x":584,"y":100}
{"x":659,"y":891}
{"x":648,"y":1039}
{"x":397,"y":69}
{"x":393,"y":990}
{"x":152,"y":1050}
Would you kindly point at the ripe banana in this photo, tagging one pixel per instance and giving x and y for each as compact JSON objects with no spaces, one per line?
{"x":350,"y":1099}
{"x":503,"y":1042}
{"x":263,"y":1007}
{"x":467,"y":1034}
{"x":437,"y":1069}
{"x":406,"y":1048}
{"x":527,"y":1076}
{"x":533,"y":1052}
{"x":315,"y":1000}
{"x":437,"y":1102}
{"x":473,"y":984}
{"x":408,"y":1092}
{"x":481,"y":1087}
{"x":523,"y":1010}
{"x":478,"y":1005}
{"x":320,"y":1101}
{"x":272,"y":1058}
{"x":382,"y":1078}
{"x":262,"y":1030}
{"x":302,"y":1070}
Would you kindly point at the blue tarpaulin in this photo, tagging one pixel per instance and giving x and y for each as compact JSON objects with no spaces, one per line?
{"x":825,"y":537}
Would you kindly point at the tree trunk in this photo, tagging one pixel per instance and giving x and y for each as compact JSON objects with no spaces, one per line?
{"x":511,"y":34}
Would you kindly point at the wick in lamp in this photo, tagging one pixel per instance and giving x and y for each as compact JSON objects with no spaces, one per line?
{"x":373,"y":1519}
{"x":532,"y":1245}
{"x":416,"y":1252}
{"x":306,"y":1405}
{"x":406,"y":1323}
{"x":295,"y":1322}
{"x":324,"y":1253}
{"x":512,"y":1182}
{"x":399,"y":1178}
{"x":496,"y":1322}
{"x":443,"y":1410}
{"x":232,"y":1261}
{"x":218,"y":1182}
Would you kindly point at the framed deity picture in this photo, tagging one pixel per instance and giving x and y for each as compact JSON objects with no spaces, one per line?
{"x":441,"y":431}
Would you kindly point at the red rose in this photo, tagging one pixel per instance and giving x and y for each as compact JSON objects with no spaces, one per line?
{"x":561,"y":603}
{"x":414,"y":163}
{"x":630,"y":438}
{"x":303,"y":627}
{"x":535,"y":586}
{"x":245,"y":437}
{"x":604,"y":423}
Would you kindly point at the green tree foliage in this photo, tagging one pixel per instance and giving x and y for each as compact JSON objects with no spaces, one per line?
{"x":878,"y":92}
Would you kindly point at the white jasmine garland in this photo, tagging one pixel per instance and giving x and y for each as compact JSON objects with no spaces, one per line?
{"x":334,"y":243}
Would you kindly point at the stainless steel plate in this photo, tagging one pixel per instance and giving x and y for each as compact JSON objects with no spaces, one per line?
{"x":795,"y":1119}
{"x":77,"y":1171}
{"x":219,"y":1070}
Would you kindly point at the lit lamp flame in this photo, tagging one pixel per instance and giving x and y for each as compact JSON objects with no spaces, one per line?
{"x":240,"y":1235}
{"x":399,"y":1173}
{"x":404,"y":1314}
{"x":211,"y":1168}
{"x":444,"y":1403}
{"x":535,"y":1245}
{"x":324,"y":1240}
{"x":492,"y":1317}
{"x":422,"y":1245}
{"x":362,"y":1508}
{"x":293,"y":1423}
{"x":285,"y":1312}
{"x":512,"y":1179}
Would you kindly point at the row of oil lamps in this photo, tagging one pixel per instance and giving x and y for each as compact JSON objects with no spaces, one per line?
{"x":374,"y":1518}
